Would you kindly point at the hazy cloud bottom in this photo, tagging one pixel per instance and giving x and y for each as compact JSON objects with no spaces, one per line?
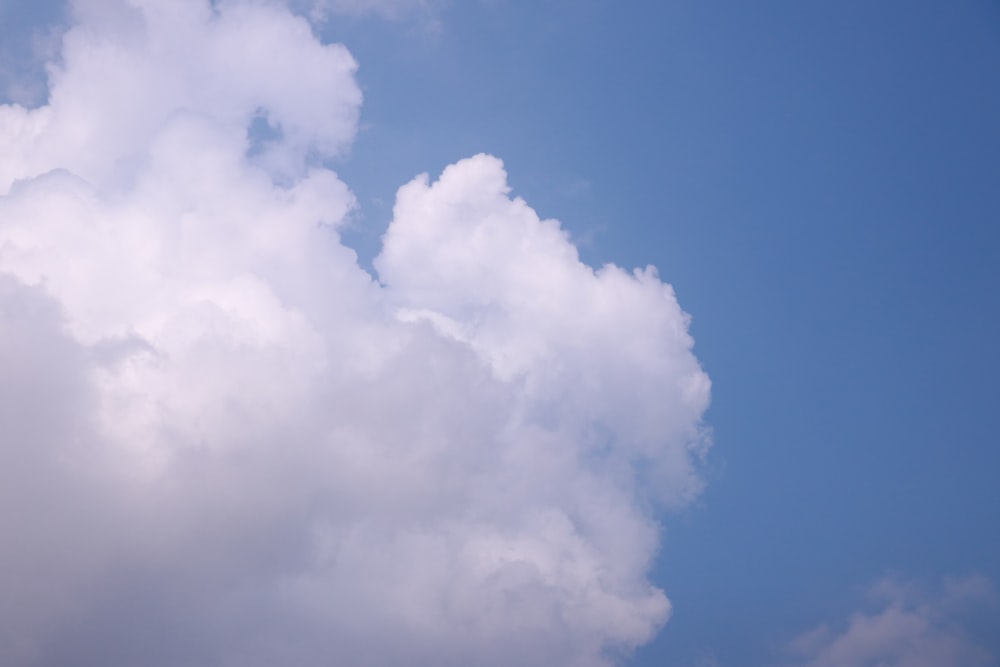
{"x":224,"y":443}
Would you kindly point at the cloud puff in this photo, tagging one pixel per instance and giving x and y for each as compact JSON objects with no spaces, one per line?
{"x":907,"y":628}
{"x":130,"y":68}
{"x":224,"y":443}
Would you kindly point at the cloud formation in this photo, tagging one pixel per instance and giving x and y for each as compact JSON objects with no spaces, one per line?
{"x":224,"y":443}
{"x":907,"y":627}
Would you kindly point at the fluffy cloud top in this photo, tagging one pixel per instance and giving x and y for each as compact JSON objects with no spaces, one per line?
{"x":224,"y":443}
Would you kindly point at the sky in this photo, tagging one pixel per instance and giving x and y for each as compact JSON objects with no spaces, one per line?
{"x":484,"y":332}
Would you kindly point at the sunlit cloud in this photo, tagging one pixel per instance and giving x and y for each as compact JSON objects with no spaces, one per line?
{"x":226,"y":443}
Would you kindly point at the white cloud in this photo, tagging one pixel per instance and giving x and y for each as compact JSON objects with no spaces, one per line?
{"x":133,"y":67}
{"x":908,"y":627}
{"x":226,"y":444}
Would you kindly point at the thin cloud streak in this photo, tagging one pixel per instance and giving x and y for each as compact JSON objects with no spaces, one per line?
{"x":908,"y":627}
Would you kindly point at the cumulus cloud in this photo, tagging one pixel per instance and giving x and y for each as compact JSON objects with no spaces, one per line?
{"x":224,"y":443}
{"x":907,"y":627}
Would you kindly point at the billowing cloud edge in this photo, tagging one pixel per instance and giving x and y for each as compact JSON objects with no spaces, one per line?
{"x":229,"y":444}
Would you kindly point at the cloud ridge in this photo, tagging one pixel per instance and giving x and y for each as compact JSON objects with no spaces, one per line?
{"x":226,"y":443}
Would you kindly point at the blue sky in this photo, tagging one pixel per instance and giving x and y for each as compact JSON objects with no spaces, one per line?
{"x":819,"y":184}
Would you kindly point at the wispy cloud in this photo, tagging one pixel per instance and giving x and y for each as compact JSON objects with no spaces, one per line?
{"x":904,"y":626}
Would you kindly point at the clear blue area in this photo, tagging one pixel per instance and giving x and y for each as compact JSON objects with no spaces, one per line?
{"x":820,"y":181}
